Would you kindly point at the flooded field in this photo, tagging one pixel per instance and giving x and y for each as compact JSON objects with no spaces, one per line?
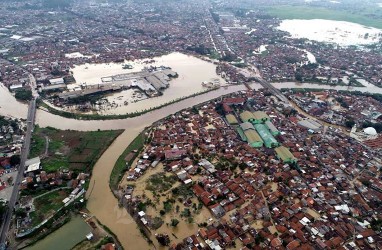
{"x":191,"y":71}
{"x":339,"y":32}
{"x":65,"y":237}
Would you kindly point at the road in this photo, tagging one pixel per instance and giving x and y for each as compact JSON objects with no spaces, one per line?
{"x":252,"y":72}
{"x":20,"y":175}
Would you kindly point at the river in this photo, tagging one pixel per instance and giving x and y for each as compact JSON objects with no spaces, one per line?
{"x":101,"y":201}
{"x":65,"y":237}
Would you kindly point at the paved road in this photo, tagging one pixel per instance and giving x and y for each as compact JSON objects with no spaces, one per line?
{"x":276,"y":92}
{"x":24,"y":155}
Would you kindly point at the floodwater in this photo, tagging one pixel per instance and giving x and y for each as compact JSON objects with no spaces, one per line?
{"x":101,"y":201}
{"x":368,"y":87}
{"x":65,"y":237}
{"x":183,"y":229}
{"x":45,"y":118}
{"x":9,"y":106}
{"x":191,"y":70}
{"x":339,"y":32}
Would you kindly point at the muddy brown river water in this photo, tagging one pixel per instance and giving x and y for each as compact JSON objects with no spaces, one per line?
{"x":101,"y":201}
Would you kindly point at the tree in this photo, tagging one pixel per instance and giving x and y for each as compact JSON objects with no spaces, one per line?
{"x":349,"y":123}
{"x":23,"y":94}
{"x":174,"y":222}
{"x":3,"y":207}
{"x":20,"y":213}
{"x":298,"y":76}
{"x":15,"y":160}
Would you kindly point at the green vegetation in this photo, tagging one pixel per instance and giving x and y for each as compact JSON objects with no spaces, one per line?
{"x":121,"y":165}
{"x":302,"y":12}
{"x":48,"y":228}
{"x":156,"y":223}
{"x":54,"y":164}
{"x":37,"y":146}
{"x":184,"y":191}
{"x":115,"y":239}
{"x":167,"y":205}
{"x":160,"y":182}
{"x":376,"y":225}
{"x":47,"y":205}
{"x":342,"y":102}
{"x":3,"y":207}
{"x":8,"y":122}
{"x":75,"y":150}
{"x":23,"y":94}
{"x":174,"y":222}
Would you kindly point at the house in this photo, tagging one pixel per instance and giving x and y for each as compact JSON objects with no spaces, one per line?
{"x":174,"y":154}
{"x":32,"y":165}
{"x":56,"y":81}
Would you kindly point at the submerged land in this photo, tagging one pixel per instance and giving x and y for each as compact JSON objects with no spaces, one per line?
{"x":190,"y":125}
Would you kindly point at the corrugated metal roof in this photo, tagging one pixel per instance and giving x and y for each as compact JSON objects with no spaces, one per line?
{"x":260,"y":115}
{"x":310,"y":124}
{"x":231,"y":119}
{"x":284,"y":154}
{"x":246,"y":116}
{"x":252,"y":136}
{"x":271,"y":127}
{"x":247,"y":125}
{"x":267,"y":137}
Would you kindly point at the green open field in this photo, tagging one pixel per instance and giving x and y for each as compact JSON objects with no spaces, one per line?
{"x":368,"y":17}
{"x":75,"y":150}
{"x":47,"y":205}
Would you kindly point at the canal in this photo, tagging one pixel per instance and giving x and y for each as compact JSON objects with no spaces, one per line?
{"x":65,"y":237}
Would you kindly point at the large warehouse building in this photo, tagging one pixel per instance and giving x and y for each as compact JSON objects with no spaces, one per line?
{"x":285,"y":155}
{"x":248,"y":133}
{"x":265,"y":134}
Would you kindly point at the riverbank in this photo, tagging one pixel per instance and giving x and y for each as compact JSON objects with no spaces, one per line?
{"x":81,"y":116}
{"x":12,"y":108}
{"x":45,"y":119}
{"x":121,"y":166}
{"x":101,"y":202}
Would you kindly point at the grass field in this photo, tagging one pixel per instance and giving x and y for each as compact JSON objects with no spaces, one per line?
{"x":47,"y":205}
{"x":120,"y":166}
{"x":369,"y":17}
{"x":75,"y":150}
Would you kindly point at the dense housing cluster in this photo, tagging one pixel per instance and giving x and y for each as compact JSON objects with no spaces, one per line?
{"x":307,"y":190}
